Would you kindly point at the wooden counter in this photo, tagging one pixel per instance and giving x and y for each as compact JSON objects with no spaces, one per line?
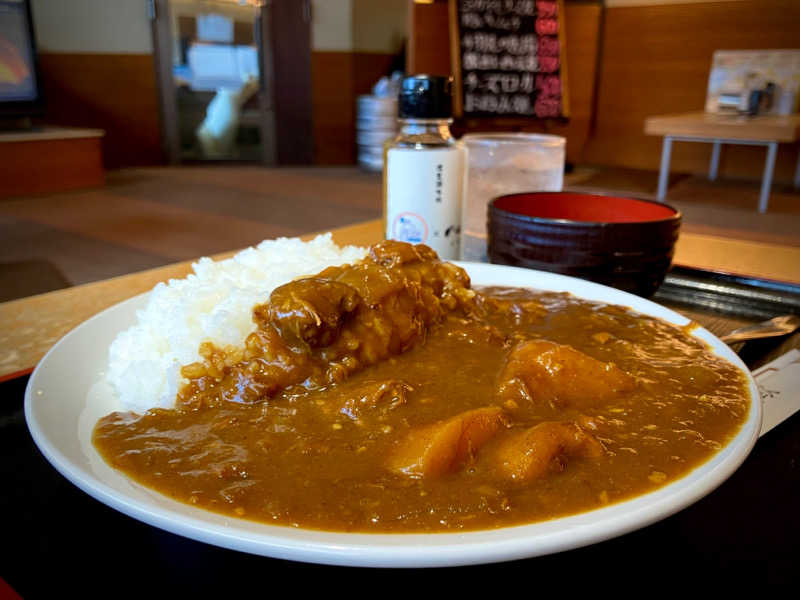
{"x":50,"y":159}
{"x":30,"y":326}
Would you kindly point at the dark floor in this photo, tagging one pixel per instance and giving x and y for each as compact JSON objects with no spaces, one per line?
{"x":149,"y":217}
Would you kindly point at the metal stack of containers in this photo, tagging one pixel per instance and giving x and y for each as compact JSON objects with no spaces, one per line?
{"x":376,"y":122}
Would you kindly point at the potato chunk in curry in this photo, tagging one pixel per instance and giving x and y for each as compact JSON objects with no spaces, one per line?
{"x":546,"y":372}
{"x":523,"y":456}
{"x":445,"y":446}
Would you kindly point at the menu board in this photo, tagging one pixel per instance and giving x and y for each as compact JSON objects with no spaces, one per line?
{"x":508,"y":58}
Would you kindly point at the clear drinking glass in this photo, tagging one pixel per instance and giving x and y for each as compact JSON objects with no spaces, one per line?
{"x":505,"y":163}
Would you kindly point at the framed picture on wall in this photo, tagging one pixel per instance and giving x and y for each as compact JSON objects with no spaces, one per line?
{"x":736,"y":73}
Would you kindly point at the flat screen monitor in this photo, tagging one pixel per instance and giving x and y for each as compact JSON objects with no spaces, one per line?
{"x":20,"y":88}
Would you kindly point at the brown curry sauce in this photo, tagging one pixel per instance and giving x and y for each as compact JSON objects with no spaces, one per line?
{"x":388,"y":396}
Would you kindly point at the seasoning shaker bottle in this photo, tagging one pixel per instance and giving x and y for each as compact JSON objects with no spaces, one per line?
{"x":424,"y":177}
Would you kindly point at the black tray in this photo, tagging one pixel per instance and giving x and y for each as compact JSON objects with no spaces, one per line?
{"x":722,"y":302}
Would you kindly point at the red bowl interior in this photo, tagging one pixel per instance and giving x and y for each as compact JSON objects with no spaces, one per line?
{"x":592,"y":208}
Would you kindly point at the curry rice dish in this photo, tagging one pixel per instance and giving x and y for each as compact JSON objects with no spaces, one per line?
{"x":389,"y":396}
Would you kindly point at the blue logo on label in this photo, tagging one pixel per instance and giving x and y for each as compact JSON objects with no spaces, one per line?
{"x":409,"y":227}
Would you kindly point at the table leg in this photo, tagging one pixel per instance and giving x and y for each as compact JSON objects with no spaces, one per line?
{"x":663,"y":174}
{"x":713,"y":168}
{"x":766,"y":182}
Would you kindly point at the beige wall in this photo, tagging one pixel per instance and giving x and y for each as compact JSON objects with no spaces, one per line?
{"x":121,"y":26}
{"x":359,"y":25}
{"x":379,"y":26}
{"x":332,"y":25}
{"x":92,"y":26}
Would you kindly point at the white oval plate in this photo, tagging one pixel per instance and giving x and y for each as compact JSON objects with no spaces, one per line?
{"x":66,"y":395}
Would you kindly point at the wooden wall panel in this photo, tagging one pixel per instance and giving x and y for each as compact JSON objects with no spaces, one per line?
{"x":338,"y":78}
{"x":429,"y":52}
{"x":333,"y":108}
{"x":628,"y":63}
{"x":656,"y":60}
{"x":113,"y":92}
{"x":429,"y":39}
{"x":368,"y":68}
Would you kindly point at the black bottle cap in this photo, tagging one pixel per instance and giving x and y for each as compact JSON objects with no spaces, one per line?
{"x":426,"y":97}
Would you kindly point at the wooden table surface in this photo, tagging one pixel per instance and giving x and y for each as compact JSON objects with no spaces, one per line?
{"x":711,"y":125}
{"x":30,"y":326}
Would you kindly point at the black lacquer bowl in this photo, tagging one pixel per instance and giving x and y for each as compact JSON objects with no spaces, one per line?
{"x":626,"y":243}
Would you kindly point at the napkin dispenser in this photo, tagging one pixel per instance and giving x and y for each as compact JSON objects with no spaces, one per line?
{"x":750,"y":100}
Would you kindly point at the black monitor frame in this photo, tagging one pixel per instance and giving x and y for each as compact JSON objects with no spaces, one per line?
{"x":21,"y":109}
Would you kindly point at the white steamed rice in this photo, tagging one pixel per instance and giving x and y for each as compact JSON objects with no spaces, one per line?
{"x":215,"y":304}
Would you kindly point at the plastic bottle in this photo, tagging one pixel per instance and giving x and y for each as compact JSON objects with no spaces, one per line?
{"x":424,"y":175}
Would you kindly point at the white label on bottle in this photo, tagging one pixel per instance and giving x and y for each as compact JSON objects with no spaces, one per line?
{"x":424,"y":192}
